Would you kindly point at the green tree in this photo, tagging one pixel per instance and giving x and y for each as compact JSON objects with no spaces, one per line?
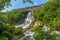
{"x":4,"y":3}
{"x":44,"y":35}
{"x":49,"y":14}
{"x":2,"y":38}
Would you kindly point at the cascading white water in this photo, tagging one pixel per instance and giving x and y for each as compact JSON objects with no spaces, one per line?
{"x":27,"y":22}
{"x":25,"y":25}
{"x":28,"y":19}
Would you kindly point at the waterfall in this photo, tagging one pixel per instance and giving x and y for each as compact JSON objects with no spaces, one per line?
{"x":28,"y":19}
{"x":28,"y":33}
{"x":27,"y":22}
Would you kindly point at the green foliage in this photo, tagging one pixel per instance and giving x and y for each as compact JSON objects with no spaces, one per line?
{"x":2,"y":38}
{"x":7,"y":34}
{"x":2,"y":26}
{"x":7,"y":21}
{"x":19,"y":32}
{"x":7,"y":30}
{"x":49,"y":14}
{"x":30,"y":1}
{"x":4,"y":3}
{"x":15,"y":16}
{"x":44,"y":35}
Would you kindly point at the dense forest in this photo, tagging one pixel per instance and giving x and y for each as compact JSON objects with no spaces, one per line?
{"x":7,"y":22}
{"x":48,"y":14}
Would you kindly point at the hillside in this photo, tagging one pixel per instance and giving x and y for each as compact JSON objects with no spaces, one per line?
{"x":41,"y":24}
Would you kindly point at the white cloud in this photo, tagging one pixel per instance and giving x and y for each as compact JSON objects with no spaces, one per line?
{"x":3,"y":11}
